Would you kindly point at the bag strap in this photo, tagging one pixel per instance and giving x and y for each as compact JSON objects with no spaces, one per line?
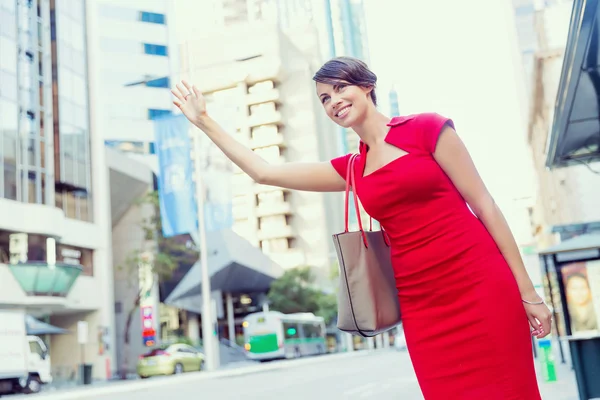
{"x":349,"y":169}
{"x":351,"y":182}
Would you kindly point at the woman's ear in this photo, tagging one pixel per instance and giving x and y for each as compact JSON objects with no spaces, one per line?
{"x":367,"y":89}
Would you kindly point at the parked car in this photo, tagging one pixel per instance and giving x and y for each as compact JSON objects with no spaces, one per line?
{"x":170,"y":360}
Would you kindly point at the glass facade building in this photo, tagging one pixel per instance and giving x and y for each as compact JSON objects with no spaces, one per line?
{"x":44,"y":127}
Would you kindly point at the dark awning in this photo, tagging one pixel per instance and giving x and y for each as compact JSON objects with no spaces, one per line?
{"x":575,"y":135}
{"x":234,"y":265}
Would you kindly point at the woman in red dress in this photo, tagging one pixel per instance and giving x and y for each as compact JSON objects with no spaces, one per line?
{"x":468,"y":306}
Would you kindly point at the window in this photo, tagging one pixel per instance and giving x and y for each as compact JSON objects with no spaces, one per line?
{"x":35,"y":348}
{"x":270,"y":153}
{"x":273,"y":222}
{"x":261,"y":87}
{"x":154,"y":18}
{"x":159,"y":83}
{"x":262,"y":108}
{"x":264,"y":131}
{"x":155,"y":113}
{"x":312,"y":330}
{"x":271,"y":198}
{"x":155,"y":49}
{"x":76,"y":256}
{"x":279,"y":245}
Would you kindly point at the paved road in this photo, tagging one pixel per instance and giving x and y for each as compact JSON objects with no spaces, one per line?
{"x":382,"y":375}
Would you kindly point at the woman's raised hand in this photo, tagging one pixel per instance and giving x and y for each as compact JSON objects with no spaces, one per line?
{"x":190,"y":101}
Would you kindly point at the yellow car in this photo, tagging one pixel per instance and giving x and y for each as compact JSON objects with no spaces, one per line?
{"x":170,"y":360}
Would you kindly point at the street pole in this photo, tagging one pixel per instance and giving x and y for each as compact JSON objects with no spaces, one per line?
{"x":207,"y":319}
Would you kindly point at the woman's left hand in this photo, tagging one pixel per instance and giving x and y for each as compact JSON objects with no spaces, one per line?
{"x":539,"y":315}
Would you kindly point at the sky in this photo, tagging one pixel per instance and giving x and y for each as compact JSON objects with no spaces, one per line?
{"x":460,"y":59}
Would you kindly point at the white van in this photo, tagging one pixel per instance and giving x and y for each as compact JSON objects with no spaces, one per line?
{"x":24,"y":360}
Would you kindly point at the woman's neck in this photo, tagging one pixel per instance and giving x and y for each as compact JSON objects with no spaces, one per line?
{"x":373,"y":129}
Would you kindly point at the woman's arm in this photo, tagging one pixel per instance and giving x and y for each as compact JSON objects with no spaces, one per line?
{"x":454,"y":158}
{"x":315,"y":177}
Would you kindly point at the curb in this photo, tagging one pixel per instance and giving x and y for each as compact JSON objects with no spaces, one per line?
{"x":127,"y":387}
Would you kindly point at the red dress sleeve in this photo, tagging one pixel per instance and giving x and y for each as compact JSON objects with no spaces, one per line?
{"x":340,"y":164}
{"x":430,"y":125}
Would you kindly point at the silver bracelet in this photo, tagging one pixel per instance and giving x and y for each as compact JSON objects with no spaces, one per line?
{"x":533,"y":303}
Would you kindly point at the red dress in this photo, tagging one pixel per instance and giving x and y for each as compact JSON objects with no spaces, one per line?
{"x":465,"y":325}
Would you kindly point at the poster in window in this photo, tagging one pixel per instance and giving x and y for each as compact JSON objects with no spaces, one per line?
{"x":582,"y":290}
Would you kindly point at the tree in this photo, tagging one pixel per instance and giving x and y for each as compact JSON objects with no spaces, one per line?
{"x":294,"y":292}
{"x":156,"y":259}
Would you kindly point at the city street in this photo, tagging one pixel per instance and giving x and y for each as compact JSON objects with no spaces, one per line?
{"x":366,"y":375}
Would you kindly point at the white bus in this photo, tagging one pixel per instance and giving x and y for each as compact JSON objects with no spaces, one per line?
{"x":274,"y":335}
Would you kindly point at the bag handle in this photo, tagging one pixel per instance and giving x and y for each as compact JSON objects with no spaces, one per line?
{"x":351,"y":182}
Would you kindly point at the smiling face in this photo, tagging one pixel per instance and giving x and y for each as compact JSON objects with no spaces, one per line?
{"x":346,"y":105}
{"x":578,"y":290}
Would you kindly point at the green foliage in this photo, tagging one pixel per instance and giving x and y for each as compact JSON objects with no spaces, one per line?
{"x":294,"y":292}
{"x":327,"y":304}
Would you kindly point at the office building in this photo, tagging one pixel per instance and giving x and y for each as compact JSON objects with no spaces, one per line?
{"x":55,"y":259}
{"x":278,"y":117}
{"x":131,"y":56}
{"x":134,"y":64}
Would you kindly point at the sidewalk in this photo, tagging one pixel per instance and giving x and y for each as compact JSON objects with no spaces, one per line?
{"x":565,"y":387}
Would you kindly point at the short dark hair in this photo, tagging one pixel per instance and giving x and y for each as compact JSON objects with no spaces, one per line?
{"x":350,"y":70}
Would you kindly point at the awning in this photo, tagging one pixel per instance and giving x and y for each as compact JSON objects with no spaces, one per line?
{"x":129,"y":180}
{"x":583,"y":242}
{"x":575,"y":135}
{"x":37,"y":327}
{"x":234,"y":265}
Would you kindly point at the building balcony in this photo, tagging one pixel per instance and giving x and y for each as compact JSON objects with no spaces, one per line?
{"x":265,"y":118}
{"x":266,"y":141}
{"x":288,"y":259}
{"x":258,"y":188}
{"x":265,"y":210}
{"x":42,"y":279}
{"x":275,"y":232}
{"x":271,"y":95}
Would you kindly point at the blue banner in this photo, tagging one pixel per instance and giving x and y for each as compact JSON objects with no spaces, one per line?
{"x":176,"y":189}
{"x":217,"y":169}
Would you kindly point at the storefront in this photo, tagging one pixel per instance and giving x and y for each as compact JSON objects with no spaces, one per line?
{"x":575,"y":135}
{"x":572,"y":268}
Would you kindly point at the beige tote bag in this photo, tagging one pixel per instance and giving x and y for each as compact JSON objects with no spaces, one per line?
{"x":367,"y":298}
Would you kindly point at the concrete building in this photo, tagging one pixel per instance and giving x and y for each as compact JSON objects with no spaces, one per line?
{"x":279,"y":118}
{"x":130,"y":64}
{"x":133,"y":42}
{"x":567,"y":198}
{"x":54,"y":232}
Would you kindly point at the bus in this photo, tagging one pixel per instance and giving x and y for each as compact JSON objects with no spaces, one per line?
{"x":273,"y":335}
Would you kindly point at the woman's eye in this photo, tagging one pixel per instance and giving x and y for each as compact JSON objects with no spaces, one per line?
{"x":339,"y":88}
{"x":324,"y":99}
